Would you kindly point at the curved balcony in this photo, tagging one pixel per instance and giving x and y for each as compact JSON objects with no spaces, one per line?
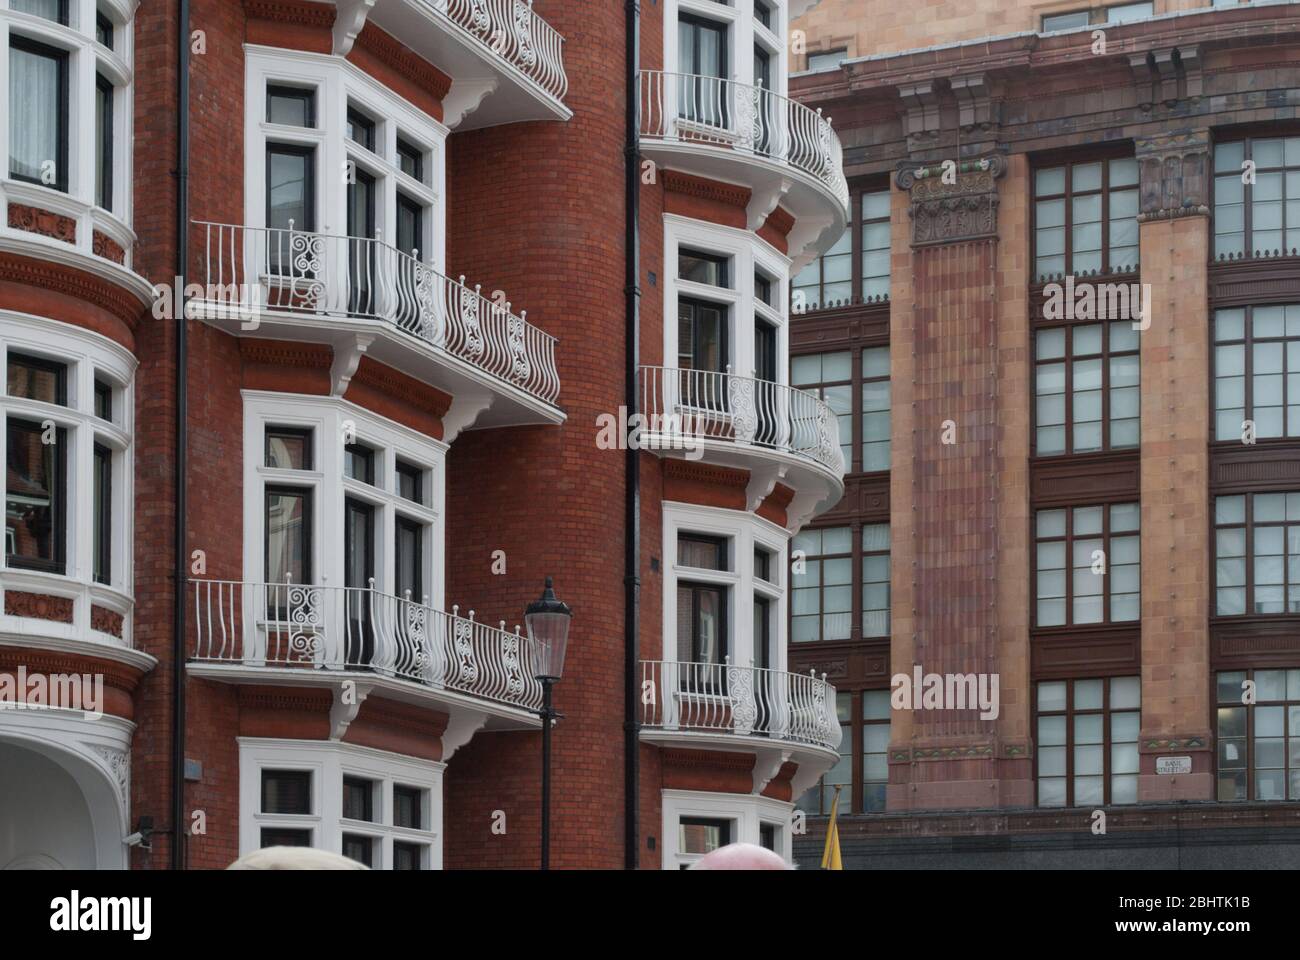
{"x":320,"y":634}
{"x":296,"y":285}
{"x":506,"y":63}
{"x":776,"y":432}
{"x":779,"y":716}
{"x":783,"y":151}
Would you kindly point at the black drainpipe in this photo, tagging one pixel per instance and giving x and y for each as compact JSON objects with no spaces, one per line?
{"x":182,"y":558}
{"x":632,"y":459}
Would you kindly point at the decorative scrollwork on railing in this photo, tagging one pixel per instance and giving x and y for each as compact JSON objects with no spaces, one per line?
{"x":510,"y":661}
{"x":467,"y":668}
{"x":426,"y":299}
{"x":470,"y":305}
{"x":304,"y":616}
{"x":748,"y":103}
{"x":478,"y":15}
{"x":417,"y":637}
{"x":744,"y":711}
{"x":744,"y":418}
{"x":519,"y":368}
{"x":308,"y":286}
{"x":524,"y":32}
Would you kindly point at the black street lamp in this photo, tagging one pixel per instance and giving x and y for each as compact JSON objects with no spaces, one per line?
{"x":548,"y":638}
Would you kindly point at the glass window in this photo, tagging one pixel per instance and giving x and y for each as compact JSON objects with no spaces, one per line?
{"x":1085,"y":218}
{"x":818,"y":800}
{"x":763,"y":289}
{"x":56,"y":10}
{"x":763,"y":564}
{"x":102,"y":548}
{"x":408,"y":807}
{"x":291,"y":106}
{"x":827,"y":281}
{"x":288,"y":537}
{"x":359,"y":463}
{"x":288,"y":448}
{"x":763,"y":13}
{"x":827,"y":59}
{"x":702,"y":346}
{"x":875,"y":409}
{"x":410,"y":482}
{"x":1256,"y":365}
{"x":875,"y":245}
{"x":702,"y":268}
{"x":1088,"y":568}
{"x":1258,"y":755}
{"x":1128,"y":12}
{"x":286,"y":791}
{"x":284,"y":837}
{"x":408,"y":856}
{"x":1087,"y":741}
{"x":1065,"y":21}
{"x":104,"y":30}
{"x":36,"y":493}
{"x":410,"y":159}
{"x":38,"y":113}
{"x":875,"y":749}
{"x":35,"y":378}
{"x":829,"y":376}
{"x":875,"y":580}
{"x":698,"y":836}
{"x":358,"y":799}
{"x":408,"y":542}
{"x":1259,"y":218}
{"x":103,"y":142}
{"x":360,"y":129}
{"x":1257,"y":554}
{"x":1086,"y":388}
{"x":822,"y":600}
{"x":705,"y":553}
{"x":104,"y":400}
{"x":359,"y":848}
{"x":290,"y":195}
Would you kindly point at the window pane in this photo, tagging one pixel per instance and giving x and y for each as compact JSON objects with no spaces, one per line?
{"x":37,"y":113}
{"x":35,"y":494}
{"x":286,"y":791}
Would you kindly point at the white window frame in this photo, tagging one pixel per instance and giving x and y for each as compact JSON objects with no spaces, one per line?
{"x":743,"y":32}
{"x":87,"y":356}
{"x":328,"y":418}
{"x":744,"y":811}
{"x":743,"y":531}
{"x":329,"y":762}
{"x":338,"y":83}
{"x":746,"y":253}
{"x":86,"y":58}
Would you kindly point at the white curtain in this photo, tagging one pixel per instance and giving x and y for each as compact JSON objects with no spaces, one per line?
{"x":33,"y":113}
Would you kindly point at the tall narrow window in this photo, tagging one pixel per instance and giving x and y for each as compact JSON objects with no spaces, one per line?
{"x":1085,"y":218}
{"x":875,"y":410}
{"x":701,"y":606}
{"x":875,"y":245}
{"x":38,"y":113}
{"x":103,"y":30}
{"x":702,"y":61}
{"x":829,"y":376}
{"x":288,"y":535}
{"x":1257,"y":372}
{"x":1257,"y":554}
{"x":36,"y":493}
{"x":875,"y":749}
{"x":1087,"y":750}
{"x":361,"y":129}
{"x":875,"y":580}
{"x":290,"y":199}
{"x":1088,"y":565}
{"x":103,"y":142}
{"x":103,"y":519}
{"x":408,"y":559}
{"x":827,"y":281}
{"x":410,"y":159}
{"x":1086,"y":392}
{"x":55,"y":10}
{"x":822,"y":604}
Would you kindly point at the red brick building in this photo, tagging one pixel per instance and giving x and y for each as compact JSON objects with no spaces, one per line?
{"x":1057,"y":335}
{"x":384,"y":242}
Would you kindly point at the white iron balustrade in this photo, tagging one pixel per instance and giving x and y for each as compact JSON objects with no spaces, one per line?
{"x":691,"y":108}
{"x":255,"y":269}
{"x":711,"y":405}
{"x":741,"y":701}
{"x":512,"y":31}
{"x":309,"y":626}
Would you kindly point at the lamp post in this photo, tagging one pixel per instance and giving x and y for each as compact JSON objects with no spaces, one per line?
{"x":548,"y":637}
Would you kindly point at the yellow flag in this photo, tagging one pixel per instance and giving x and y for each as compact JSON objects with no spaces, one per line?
{"x":831,"y":855}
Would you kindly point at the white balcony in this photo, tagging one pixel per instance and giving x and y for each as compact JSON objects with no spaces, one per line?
{"x":344,"y":291}
{"x":323,"y":635}
{"x":784,"y":152}
{"x":779,"y":716}
{"x":778,"y":433}
{"x":506,"y":63}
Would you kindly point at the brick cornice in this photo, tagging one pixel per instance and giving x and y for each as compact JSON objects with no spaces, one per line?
{"x":286,"y":354}
{"x":675,"y":181}
{"x":401,"y":387}
{"x":677,"y":469}
{"x":74,"y":283}
{"x":47,"y":662}
{"x":705,"y":759}
{"x":285,"y":698}
{"x":290,"y":11}
{"x":389,"y":50}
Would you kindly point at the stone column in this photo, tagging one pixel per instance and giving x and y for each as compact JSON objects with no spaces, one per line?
{"x":1175,"y":245}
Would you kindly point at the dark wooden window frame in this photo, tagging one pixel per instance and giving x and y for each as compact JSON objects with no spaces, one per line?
{"x":285,"y":92}
{"x":103,"y":519}
{"x":59,"y":503}
{"x":855,"y":587}
{"x":413,"y":473}
{"x":407,"y":149}
{"x":853,"y":229}
{"x":60,"y":57}
{"x":1070,"y":713}
{"x":60,"y":371}
{"x":1248,"y":526}
{"x":1068,"y":539}
{"x":1248,"y":341}
{"x":1287,"y":734}
{"x":308,"y":495}
{"x":305,"y":434}
{"x":1247,"y":135}
{"x":1116,"y":150}
{"x":362,"y":123}
{"x":1068,"y":359}
{"x":104,"y":87}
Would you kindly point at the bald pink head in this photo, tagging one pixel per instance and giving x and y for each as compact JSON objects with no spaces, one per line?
{"x":741,"y":856}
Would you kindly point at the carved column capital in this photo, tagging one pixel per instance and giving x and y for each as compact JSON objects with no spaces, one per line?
{"x":1173,"y":175}
{"x":953,"y":202}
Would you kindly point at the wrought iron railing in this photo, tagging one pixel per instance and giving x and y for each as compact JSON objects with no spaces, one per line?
{"x":688,"y":405}
{"x":253,"y":269}
{"x":691,"y":108}
{"x":741,"y":701}
{"x":511,"y":30}
{"x":309,"y":626}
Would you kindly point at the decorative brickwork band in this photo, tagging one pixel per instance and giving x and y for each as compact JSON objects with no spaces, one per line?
{"x":47,"y":224}
{"x":950,"y":209}
{"x":1173,"y":175}
{"x":38,"y":606}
